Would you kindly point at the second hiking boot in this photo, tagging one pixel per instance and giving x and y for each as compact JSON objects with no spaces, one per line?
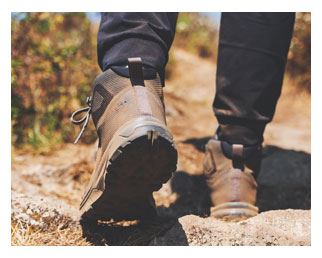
{"x":230,"y":169}
{"x":136,"y":153}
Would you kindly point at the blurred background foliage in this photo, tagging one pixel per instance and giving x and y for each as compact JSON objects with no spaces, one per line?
{"x":53,"y":62}
{"x":197,"y":34}
{"x":299,"y":58}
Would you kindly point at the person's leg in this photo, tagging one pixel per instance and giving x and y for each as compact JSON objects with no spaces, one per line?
{"x":124,"y":35}
{"x":136,"y":154}
{"x":252,"y":55}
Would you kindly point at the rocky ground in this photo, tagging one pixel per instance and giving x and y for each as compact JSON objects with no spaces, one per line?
{"x":46,"y":189}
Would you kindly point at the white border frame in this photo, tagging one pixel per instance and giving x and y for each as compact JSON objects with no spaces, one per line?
{"x":165,"y":5}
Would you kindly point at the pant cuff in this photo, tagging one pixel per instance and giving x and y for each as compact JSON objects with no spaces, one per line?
{"x":152,"y":53}
{"x":237,"y":134}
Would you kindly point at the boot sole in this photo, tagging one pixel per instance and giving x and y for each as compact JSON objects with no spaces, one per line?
{"x":234,"y":211}
{"x":137,"y":168}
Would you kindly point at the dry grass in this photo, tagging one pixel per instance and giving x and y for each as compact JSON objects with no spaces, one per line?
{"x":26,"y":235}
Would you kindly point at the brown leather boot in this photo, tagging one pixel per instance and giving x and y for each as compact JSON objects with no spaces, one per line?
{"x":136,"y":153}
{"x":229,"y":170}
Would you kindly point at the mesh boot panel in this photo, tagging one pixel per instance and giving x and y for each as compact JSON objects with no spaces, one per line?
{"x":116,"y":101}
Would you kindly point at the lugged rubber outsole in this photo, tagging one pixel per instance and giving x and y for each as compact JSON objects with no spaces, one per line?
{"x":134,"y":171}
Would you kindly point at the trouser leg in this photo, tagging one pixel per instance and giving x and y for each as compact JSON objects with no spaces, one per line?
{"x":145,"y":35}
{"x":252,"y":56}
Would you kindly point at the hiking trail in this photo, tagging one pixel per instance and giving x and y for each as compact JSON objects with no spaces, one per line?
{"x":46,"y":189}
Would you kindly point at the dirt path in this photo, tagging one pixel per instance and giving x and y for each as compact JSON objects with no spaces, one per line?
{"x":47,"y":189}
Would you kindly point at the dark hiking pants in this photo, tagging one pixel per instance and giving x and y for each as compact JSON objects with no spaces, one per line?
{"x":252,"y":56}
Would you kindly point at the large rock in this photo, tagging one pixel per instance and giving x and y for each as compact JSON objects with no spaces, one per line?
{"x":281,"y":227}
{"x":42,"y":213}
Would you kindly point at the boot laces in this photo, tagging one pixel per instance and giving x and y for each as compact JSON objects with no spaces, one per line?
{"x":84,"y":119}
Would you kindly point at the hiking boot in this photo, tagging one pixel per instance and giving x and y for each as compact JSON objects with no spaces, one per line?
{"x":230,"y":171}
{"x":136,"y":152}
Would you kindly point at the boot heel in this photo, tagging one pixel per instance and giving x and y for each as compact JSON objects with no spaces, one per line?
{"x":234,"y":211}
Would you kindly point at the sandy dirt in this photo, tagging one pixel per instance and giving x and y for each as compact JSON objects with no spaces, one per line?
{"x":46,"y":189}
